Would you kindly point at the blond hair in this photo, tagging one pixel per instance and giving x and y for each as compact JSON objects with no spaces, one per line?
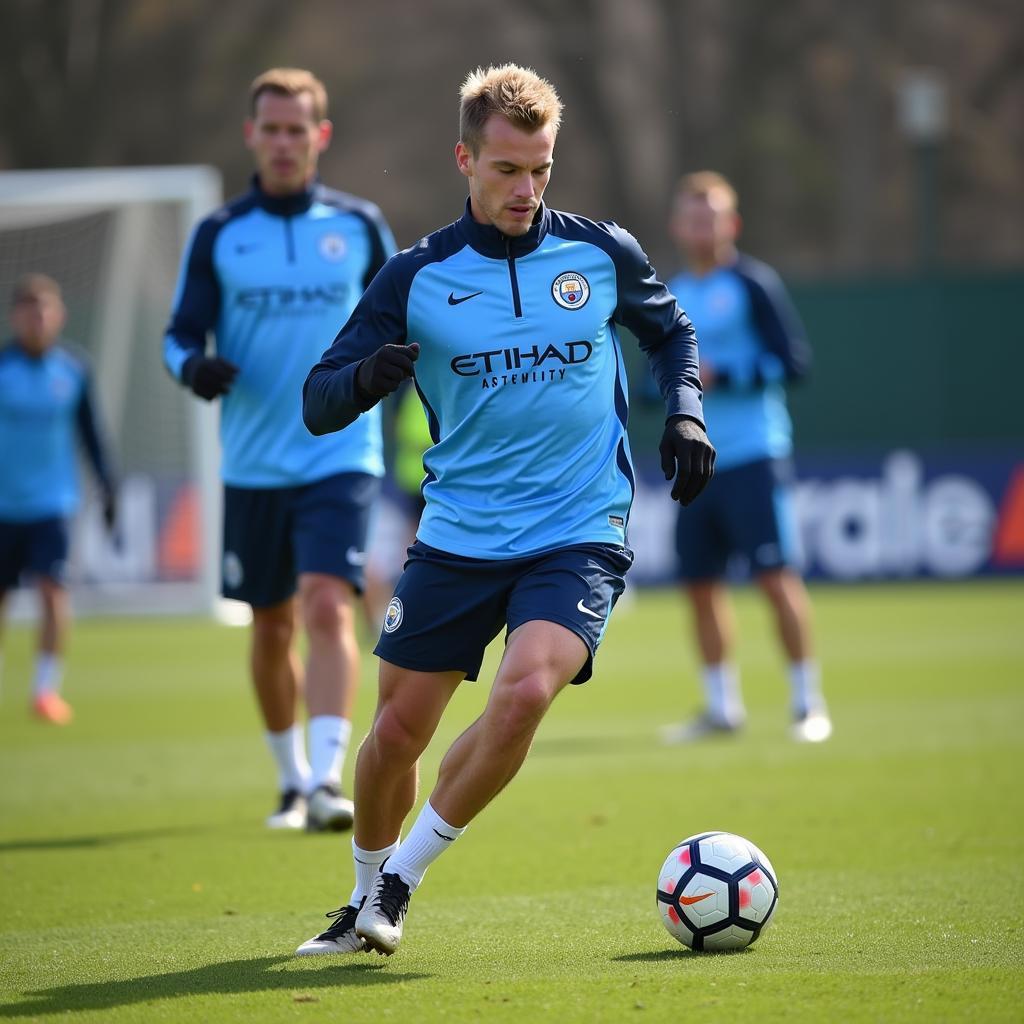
{"x":290,"y":82}
{"x":702,"y":183}
{"x":528,"y":101}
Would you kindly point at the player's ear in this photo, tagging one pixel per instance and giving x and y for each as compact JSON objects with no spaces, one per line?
{"x":248,"y":128}
{"x":737,"y":225}
{"x":326,"y":133}
{"x":463,"y":159}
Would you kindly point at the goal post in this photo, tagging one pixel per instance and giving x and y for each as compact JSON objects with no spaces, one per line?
{"x":113,"y":239}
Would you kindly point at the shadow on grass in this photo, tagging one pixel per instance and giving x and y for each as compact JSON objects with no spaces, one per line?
{"x":682,"y":953}
{"x":104,"y":839}
{"x":655,"y":956}
{"x":235,"y":976}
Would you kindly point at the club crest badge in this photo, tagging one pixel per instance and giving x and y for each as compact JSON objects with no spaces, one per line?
{"x":570,"y":290}
{"x":394,"y":615}
{"x":333,"y":248}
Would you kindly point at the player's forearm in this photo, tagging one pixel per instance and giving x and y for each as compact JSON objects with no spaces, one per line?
{"x":95,"y":448}
{"x":331,"y":400}
{"x":675,"y":370}
{"x":178,"y":349}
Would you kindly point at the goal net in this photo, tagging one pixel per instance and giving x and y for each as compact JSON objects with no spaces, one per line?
{"x":113,"y":240}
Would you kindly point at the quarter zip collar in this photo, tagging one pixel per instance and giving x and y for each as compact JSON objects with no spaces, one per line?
{"x":285,"y":206}
{"x":487,"y":240}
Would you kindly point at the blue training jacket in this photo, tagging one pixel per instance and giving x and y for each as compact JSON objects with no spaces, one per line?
{"x":521,"y":376}
{"x":753,"y":338}
{"x":45,"y":406}
{"x":274,"y":278}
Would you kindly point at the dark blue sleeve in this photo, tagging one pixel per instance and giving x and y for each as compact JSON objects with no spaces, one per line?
{"x":92,"y":437}
{"x":330,"y":399}
{"x":196,"y":303}
{"x":776,"y":320}
{"x":648,"y":309}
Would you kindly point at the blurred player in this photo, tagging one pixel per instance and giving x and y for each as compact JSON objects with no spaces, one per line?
{"x":45,"y":404}
{"x":273,"y":274}
{"x":508,"y":318}
{"x":751,"y":344}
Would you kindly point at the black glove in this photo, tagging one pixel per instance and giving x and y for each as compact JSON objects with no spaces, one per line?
{"x":208,"y":377}
{"x":687,"y":454}
{"x":383,"y":372}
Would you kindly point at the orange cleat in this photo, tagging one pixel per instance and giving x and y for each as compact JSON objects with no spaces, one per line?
{"x":52,"y":707}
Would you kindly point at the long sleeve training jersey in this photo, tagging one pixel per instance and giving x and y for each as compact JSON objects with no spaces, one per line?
{"x":521,"y":376}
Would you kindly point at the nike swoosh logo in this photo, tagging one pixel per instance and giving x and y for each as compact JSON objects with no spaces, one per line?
{"x":452,"y":301}
{"x":586,"y":611}
{"x":687,"y":900}
{"x":447,"y":839}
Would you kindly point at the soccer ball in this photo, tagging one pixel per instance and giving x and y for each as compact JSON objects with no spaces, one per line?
{"x":716,"y":891}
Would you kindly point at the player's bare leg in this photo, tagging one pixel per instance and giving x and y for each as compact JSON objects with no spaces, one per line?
{"x":409,"y":707}
{"x":55,"y":617}
{"x":787,"y":595}
{"x":332,"y":679}
{"x":714,"y":626}
{"x":540,"y":659}
{"x":277,"y":679}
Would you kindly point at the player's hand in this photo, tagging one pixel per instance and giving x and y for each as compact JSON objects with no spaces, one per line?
{"x":383,"y":372}
{"x":209,"y":376}
{"x":686,"y":454}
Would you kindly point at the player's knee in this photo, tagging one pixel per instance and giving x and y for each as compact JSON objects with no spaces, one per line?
{"x":520,"y":704}
{"x":327,"y":608}
{"x":273,"y":630}
{"x":396,"y":738}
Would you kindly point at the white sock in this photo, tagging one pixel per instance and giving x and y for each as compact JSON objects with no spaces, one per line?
{"x":722,"y":691}
{"x":805,"y":679}
{"x":48,"y":674}
{"x":289,"y":750}
{"x":367,"y":864}
{"x":328,"y":744}
{"x":429,"y":837}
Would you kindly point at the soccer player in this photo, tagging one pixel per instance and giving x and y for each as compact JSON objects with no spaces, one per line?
{"x":752,"y":343}
{"x":506,"y":318}
{"x":45,"y":404}
{"x":273,"y":274}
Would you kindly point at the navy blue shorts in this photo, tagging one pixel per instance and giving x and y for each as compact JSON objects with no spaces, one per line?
{"x":447,"y":608}
{"x":37,"y":548}
{"x":746,"y":512}
{"x":271,"y":534}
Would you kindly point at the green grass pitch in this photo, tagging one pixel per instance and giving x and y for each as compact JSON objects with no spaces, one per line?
{"x":138,"y":884}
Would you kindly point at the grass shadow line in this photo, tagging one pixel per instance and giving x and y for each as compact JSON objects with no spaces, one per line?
{"x":229,"y":978}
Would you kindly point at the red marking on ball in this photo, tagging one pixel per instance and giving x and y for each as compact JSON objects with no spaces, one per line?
{"x":684,"y":856}
{"x":754,"y":877}
{"x":744,"y":897}
{"x":673,"y":916}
